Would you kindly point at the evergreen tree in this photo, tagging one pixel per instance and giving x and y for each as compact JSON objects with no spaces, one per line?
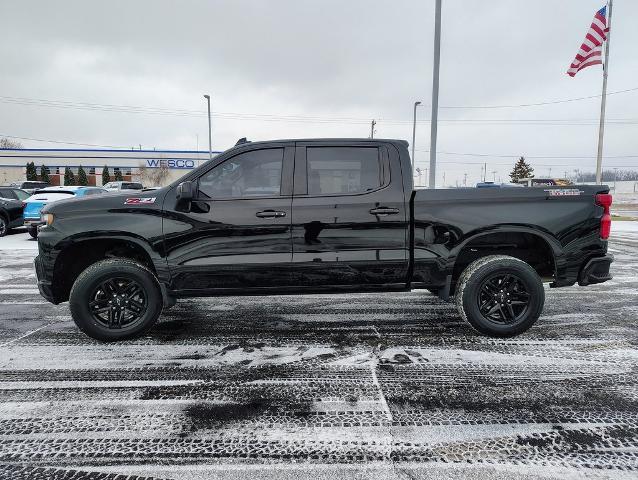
{"x":82,"y":178}
{"x":32,"y":173}
{"x":106,"y":176}
{"x":118,"y":175}
{"x":44,"y":174}
{"x":69,"y":177}
{"x":522,"y":169}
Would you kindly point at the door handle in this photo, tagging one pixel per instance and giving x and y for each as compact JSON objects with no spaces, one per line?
{"x":270,"y":214}
{"x":382,"y":211}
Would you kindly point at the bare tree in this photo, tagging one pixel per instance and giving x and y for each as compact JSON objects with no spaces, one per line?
{"x":8,"y":143}
{"x":153,"y":176}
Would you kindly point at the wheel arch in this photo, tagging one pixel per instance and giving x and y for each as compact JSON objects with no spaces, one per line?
{"x":536,"y":248}
{"x":76,"y":254}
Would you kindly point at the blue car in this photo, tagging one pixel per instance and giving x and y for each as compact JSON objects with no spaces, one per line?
{"x":34,"y":204}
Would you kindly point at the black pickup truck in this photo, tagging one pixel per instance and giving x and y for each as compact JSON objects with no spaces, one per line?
{"x":308,"y":216}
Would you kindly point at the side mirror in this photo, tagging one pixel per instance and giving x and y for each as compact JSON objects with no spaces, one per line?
{"x":185,"y":192}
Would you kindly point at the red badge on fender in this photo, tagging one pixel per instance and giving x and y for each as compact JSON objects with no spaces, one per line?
{"x":139,"y":201}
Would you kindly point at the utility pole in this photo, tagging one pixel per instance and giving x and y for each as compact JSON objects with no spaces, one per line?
{"x":494,"y":173}
{"x":615,"y":176}
{"x":210,"y":130}
{"x":443,"y":179}
{"x":465,"y":179}
{"x":484,"y":170}
{"x":374,"y":122}
{"x":603,"y":102}
{"x":435,"y":92}
{"x":416,"y":104}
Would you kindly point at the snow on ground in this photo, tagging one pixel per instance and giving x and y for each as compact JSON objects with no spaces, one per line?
{"x":624,"y":227}
{"x":322,"y":386}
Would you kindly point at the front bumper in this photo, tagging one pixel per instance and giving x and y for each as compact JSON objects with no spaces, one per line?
{"x":596,"y":270}
{"x":44,"y":284}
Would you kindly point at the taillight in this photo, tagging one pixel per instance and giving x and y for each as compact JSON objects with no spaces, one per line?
{"x":604,"y":200}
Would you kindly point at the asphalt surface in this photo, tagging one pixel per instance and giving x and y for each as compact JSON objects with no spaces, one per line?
{"x":347,"y":386}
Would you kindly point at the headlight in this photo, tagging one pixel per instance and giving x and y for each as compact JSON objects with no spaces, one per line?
{"x":47,"y":218}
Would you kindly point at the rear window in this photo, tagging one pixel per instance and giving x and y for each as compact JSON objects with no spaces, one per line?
{"x":21,"y":194}
{"x":132,"y":186}
{"x":34,"y":184}
{"x":342,"y":170}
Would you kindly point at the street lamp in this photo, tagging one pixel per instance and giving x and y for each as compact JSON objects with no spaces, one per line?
{"x":416,"y":104}
{"x":210,"y":130}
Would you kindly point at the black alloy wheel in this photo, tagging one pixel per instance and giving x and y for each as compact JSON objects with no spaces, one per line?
{"x":116,"y":299}
{"x":4,"y":227}
{"x":118,"y":303}
{"x":503,"y":298}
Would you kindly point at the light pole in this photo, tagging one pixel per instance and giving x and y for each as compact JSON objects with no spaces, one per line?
{"x":416,"y":104}
{"x":210,"y":130}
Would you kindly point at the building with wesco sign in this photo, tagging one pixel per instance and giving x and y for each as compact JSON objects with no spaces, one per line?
{"x":133,"y":165}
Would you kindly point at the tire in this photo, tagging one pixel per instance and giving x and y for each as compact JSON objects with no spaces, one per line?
{"x":4,"y":226}
{"x":33,"y":231}
{"x":115,"y":299}
{"x":496,"y":311}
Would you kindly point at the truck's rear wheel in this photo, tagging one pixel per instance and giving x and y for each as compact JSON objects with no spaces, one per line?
{"x":115,"y":299}
{"x":500,"y":296}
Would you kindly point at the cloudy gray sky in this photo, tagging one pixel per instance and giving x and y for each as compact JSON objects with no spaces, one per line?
{"x":292,"y":68}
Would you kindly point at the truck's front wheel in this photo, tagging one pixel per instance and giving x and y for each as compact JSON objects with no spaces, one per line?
{"x":115,"y":299}
{"x":500,"y":296}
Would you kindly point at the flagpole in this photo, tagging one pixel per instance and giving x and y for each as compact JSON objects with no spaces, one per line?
{"x":603,"y":102}
{"x":434,"y":120}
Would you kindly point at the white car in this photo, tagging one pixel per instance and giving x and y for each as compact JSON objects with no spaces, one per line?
{"x":123,"y":187}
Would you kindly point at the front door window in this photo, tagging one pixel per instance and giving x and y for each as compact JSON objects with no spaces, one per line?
{"x":248,"y":175}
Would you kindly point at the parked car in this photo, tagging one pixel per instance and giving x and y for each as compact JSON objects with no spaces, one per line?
{"x":10,"y":214}
{"x":34,"y":204}
{"x":292,"y":217}
{"x":14,"y":193}
{"x":29,"y":186}
{"x":123,"y":187}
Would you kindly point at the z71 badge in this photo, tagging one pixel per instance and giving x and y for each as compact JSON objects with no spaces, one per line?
{"x":139,"y":201}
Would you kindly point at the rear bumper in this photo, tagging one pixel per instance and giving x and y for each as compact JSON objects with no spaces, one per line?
{"x":32,"y":222}
{"x":596,"y":270}
{"x":44,"y":284}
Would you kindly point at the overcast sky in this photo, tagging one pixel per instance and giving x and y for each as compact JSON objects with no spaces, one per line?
{"x":331,"y":65}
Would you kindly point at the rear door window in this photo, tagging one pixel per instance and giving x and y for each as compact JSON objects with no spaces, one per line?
{"x":343,"y":170}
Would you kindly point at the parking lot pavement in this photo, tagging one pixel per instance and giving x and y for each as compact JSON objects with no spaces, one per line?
{"x":354,"y":386}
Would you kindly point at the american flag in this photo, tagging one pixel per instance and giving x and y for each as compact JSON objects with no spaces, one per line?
{"x":591,"y":51}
